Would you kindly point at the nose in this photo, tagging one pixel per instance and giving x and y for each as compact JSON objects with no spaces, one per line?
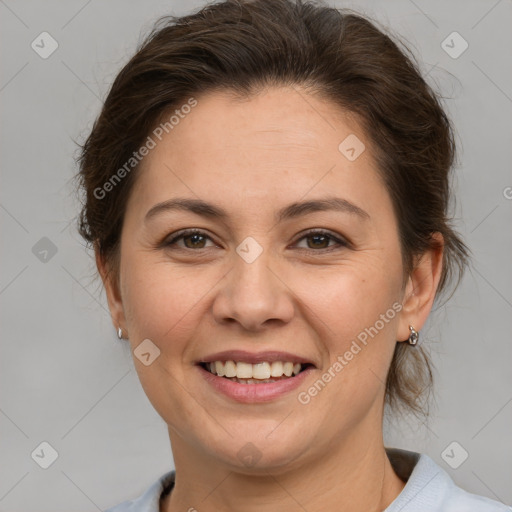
{"x":254,"y":295}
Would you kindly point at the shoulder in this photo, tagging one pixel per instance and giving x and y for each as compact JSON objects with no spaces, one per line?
{"x":462,"y":501}
{"x":430,"y":488}
{"x":149,"y":501}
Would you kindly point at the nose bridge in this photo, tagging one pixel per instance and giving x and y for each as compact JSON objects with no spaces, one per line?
{"x":251,"y":271}
{"x":252,"y":294}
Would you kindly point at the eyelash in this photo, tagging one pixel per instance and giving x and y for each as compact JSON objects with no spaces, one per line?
{"x":189,"y":232}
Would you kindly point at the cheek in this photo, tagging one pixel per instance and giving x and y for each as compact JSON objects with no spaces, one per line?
{"x":351,"y":296}
{"x":160,"y":299}
{"x":164,"y":301}
{"x":169,"y":304}
{"x":358,"y":308}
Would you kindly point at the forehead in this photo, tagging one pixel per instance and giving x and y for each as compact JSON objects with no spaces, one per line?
{"x":281,"y":143}
{"x":276,"y":121}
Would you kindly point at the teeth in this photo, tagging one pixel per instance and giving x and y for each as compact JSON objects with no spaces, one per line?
{"x":230,"y":369}
{"x":259,"y":372}
{"x":276,"y":369}
{"x":252,"y":381}
{"x":219,"y":368}
{"x":244,"y":370}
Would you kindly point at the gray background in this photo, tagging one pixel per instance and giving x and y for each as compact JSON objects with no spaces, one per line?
{"x":67,"y":380}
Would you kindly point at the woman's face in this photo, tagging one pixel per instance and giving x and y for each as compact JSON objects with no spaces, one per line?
{"x":255,"y":282}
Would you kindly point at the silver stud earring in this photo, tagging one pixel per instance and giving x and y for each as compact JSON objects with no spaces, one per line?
{"x":120,"y":333}
{"x":414,"y":336}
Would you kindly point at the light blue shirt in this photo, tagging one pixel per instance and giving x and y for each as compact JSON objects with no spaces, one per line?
{"x":428,"y":489}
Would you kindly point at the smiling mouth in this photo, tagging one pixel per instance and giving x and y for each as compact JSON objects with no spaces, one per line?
{"x":259,"y":373}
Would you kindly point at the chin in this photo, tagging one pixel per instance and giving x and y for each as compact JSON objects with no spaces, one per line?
{"x":260,"y":450}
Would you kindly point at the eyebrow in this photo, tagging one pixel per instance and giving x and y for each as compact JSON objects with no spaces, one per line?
{"x":294,"y":210}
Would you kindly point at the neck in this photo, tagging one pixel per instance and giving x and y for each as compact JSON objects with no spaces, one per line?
{"x":354,"y":477}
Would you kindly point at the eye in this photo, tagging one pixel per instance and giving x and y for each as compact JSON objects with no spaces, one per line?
{"x":192,"y":238}
{"x":320,"y":239}
{"x":195,"y":239}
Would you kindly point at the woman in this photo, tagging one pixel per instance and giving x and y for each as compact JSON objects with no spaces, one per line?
{"x":266,"y":191}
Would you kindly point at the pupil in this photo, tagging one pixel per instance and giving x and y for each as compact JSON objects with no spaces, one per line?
{"x":189,"y":237}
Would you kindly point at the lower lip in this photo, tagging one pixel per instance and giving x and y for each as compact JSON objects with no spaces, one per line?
{"x":251,"y":393}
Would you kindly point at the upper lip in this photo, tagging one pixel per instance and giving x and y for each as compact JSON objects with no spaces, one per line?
{"x":256,"y":357}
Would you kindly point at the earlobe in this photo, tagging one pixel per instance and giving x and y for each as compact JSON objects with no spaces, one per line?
{"x":421,"y":288}
{"x":112,"y":292}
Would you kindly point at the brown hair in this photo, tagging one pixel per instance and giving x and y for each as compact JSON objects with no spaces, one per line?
{"x":244,"y":46}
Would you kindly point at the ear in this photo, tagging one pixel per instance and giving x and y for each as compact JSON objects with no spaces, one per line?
{"x":112,"y":291}
{"x":421,"y":287}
